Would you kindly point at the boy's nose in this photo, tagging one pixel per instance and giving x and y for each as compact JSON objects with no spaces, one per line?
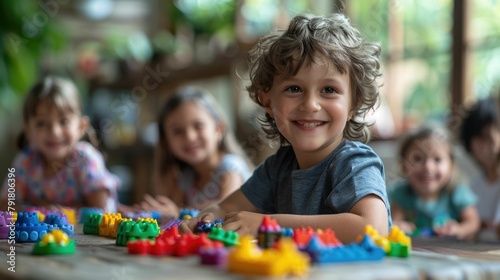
{"x":310,"y":103}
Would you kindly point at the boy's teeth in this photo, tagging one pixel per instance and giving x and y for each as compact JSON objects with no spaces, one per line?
{"x":309,"y":124}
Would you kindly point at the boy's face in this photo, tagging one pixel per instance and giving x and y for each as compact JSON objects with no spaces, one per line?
{"x":486,"y":147}
{"x":311,"y":110}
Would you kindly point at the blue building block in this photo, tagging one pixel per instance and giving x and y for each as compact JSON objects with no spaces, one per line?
{"x":366,"y":250}
{"x":207,"y":227}
{"x":184,"y":212}
{"x":60,"y":222}
{"x":29,"y":229}
{"x":287,"y":232}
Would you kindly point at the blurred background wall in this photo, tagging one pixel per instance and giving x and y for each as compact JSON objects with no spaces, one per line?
{"x":126,"y":56}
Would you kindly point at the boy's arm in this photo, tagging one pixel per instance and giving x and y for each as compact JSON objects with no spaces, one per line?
{"x":370,"y":210}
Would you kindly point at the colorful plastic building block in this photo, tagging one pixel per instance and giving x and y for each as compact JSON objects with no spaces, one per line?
{"x":143,"y":214}
{"x":134,"y":230}
{"x":5,"y":224}
{"x":397,"y":244}
{"x":86,"y":211}
{"x":366,"y":250}
{"x":28,"y":228}
{"x":214,"y":254}
{"x":302,"y":237}
{"x":269,"y":232}
{"x":56,"y":242}
{"x":172,"y":223}
{"x":91,"y":224}
{"x":207,"y":227}
{"x":287,"y":232}
{"x":188,"y":213}
{"x":60,"y":222}
{"x":169,"y":242}
{"x":249,"y":259}
{"x":229,"y":238}
{"x":109,"y":224}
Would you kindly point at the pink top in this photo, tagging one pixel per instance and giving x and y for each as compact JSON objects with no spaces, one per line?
{"x":84,"y":172}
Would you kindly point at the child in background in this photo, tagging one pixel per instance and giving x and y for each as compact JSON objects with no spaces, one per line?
{"x":316,"y":81}
{"x":54,"y":168}
{"x":431,"y":197}
{"x":480,"y":135}
{"x":198,"y":161}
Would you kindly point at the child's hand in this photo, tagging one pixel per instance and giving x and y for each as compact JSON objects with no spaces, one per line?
{"x":452,"y":228}
{"x":407,"y":227}
{"x":161,"y":204}
{"x":244,"y":223}
{"x":189,"y":226}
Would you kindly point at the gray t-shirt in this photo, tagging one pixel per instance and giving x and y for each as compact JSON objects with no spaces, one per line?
{"x":351,"y":172}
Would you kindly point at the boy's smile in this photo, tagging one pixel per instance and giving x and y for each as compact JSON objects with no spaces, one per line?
{"x":311,"y":109}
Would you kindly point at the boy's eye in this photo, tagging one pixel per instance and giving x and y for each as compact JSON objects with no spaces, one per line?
{"x":330,"y":90}
{"x":293,"y":89}
{"x":64,"y":121}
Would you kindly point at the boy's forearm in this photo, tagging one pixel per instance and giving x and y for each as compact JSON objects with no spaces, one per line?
{"x":347,"y":226}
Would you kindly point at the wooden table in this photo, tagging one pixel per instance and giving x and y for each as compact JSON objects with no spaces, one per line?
{"x":99,"y":258}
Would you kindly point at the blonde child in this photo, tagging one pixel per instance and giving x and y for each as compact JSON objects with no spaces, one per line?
{"x":430,"y":197}
{"x":315,"y":80}
{"x":198,"y":161}
{"x":55,"y":168}
{"x":480,"y":135}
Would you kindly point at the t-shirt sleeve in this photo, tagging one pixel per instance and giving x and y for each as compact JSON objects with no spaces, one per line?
{"x":258,"y":188}
{"x":16,"y":184}
{"x":93,"y":174}
{"x":463,"y":197}
{"x":236,"y":164}
{"x":359,"y":173}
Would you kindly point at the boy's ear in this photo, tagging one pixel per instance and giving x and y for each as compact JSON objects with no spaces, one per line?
{"x":265,"y":101}
{"x":84,"y":124}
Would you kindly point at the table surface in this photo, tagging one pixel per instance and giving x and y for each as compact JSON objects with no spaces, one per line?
{"x":99,"y":258}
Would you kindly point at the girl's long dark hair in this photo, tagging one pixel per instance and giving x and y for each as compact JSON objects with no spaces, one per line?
{"x":228,"y":143}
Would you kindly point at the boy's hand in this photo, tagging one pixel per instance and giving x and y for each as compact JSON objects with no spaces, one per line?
{"x":244,"y":223}
{"x":189,"y":226}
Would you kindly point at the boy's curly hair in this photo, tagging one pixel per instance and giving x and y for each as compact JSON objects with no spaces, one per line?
{"x":309,"y":39}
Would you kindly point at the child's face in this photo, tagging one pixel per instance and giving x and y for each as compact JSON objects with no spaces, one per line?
{"x":311,"y":110}
{"x":427,"y":166}
{"x":486,"y":147}
{"x":54,"y":132}
{"x":192,"y":134}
